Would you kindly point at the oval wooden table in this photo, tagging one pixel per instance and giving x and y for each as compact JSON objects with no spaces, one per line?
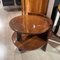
{"x":31,"y":31}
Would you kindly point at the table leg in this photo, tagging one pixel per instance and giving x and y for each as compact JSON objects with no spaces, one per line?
{"x":19,"y":38}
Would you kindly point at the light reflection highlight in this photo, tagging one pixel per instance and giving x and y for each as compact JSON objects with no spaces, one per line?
{"x":3,"y":51}
{"x":2,"y":25}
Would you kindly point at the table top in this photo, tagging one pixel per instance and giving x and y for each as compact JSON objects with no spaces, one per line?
{"x":31,"y":24}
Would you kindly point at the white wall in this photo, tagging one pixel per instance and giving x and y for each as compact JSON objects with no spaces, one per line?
{"x":50,"y":8}
{"x":1,"y":5}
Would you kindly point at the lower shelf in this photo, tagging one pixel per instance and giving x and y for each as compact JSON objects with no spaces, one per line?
{"x":30,"y":44}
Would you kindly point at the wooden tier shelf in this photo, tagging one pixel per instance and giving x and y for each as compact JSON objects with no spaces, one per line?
{"x":30,"y":31}
{"x":29,"y":44}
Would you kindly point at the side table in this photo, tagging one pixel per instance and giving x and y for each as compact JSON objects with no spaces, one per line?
{"x":30,"y":31}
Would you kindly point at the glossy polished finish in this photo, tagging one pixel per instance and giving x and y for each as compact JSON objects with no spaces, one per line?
{"x":36,"y":6}
{"x":30,"y":24}
{"x":28,"y":44}
{"x":31,"y":31}
{"x":59,"y":7}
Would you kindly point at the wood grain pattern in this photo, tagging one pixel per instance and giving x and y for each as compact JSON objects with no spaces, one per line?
{"x":30,"y":44}
{"x":32,"y":31}
{"x":23,"y":6}
{"x":31,"y":24}
{"x":59,"y":7}
{"x":36,"y":6}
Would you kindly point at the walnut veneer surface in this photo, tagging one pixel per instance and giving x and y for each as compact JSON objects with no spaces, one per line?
{"x":28,"y":44}
{"x":59,"y":7}
{"x":34,"y":6}
{"x":30,"y":24}
{"x":31,"y":31}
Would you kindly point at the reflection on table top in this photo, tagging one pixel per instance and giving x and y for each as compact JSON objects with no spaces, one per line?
{"x":30,"y":24}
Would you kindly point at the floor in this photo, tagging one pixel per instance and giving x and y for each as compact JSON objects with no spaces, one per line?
{"x":8,"y":50}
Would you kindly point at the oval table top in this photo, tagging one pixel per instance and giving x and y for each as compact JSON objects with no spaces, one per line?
{"x":31,"y":24}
